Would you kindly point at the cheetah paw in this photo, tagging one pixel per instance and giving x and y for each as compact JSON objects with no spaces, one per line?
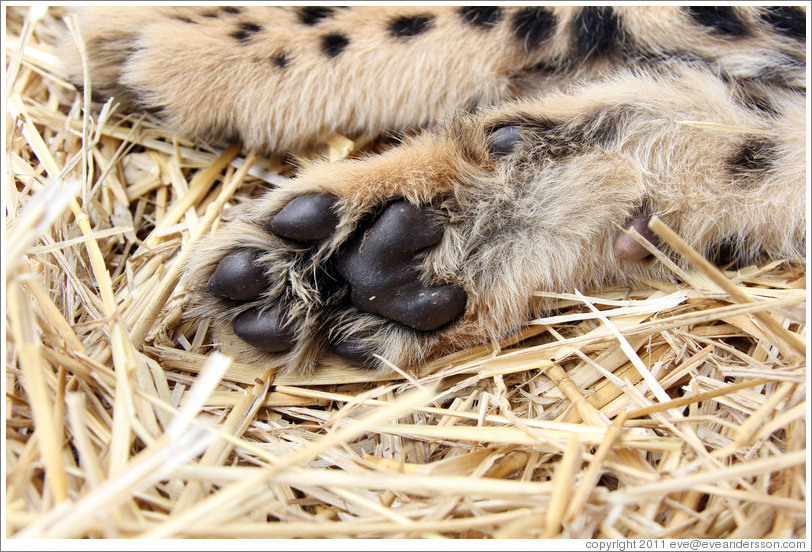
{"x":316,"y":274}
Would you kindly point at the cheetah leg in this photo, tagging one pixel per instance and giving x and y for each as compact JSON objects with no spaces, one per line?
{"x":463,"y":224}
{"x":286,"y":78}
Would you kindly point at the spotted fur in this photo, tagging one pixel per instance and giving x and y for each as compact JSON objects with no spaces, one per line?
{"x":585,"y":121}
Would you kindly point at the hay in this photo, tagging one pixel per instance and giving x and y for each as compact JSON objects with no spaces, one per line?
{"x":666,"y":411}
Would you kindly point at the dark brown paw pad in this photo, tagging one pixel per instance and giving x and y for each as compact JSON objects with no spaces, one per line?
{"x":265,"y":331}
{"x":238,"y":276}
{"x":379,"y":266}
{"x":306,"y":218}
{"x":356,"y":351}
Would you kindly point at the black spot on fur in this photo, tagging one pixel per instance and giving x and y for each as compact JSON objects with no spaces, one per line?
{"x":131,"y":97}
{"x":334,"y":43}
{"x":787,"y":20}
{"x":250,"y":27}
{"x":724,"y":20}
{"x":532,"y":26}
{"x":748,"y":92}
{"x":605,"y":127}
{"x":754,"y":101}
{"x":597,"y":32}
{"x":210,"y":14}
{"x":758,"y":102}
{"x":281,"y":60}
{"x":246,"y":31}
{"x":231,"y":9}
{"x":405,"y":27}
{"x":311,"y":15}
{"x":756,"y":155}
{"x":481,"y":16}
{"x":183,"y":18}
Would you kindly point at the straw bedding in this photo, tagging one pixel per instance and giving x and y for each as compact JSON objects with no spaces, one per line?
{"x":662,"y":411}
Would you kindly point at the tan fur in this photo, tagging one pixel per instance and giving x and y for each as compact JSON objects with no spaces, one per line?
{"x":213,"y":88}
{"x":528,"y":222}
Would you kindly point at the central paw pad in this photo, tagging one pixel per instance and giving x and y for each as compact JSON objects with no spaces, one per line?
{"x":382,"y":275}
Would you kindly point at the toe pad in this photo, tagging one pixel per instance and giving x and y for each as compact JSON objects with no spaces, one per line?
{"x":238,"y":276}
{"x":264,"y":331}
{"x":354,"y":351}
{"x":306,"y":218}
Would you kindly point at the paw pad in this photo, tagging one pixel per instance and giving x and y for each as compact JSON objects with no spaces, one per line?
{"x":307,"y":218}
{"x":354,"y":350}
{"x":264,"y":331}
{"x":383,"y":278}
{"x":238,"y":277}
